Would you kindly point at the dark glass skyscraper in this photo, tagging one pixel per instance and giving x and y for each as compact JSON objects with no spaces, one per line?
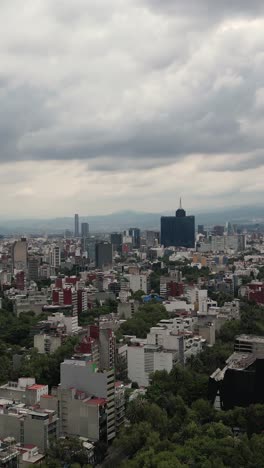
{"x":85,"y":230}
{"x":103,"y":254}
{"x":179,"y":230}
{"x":135,"y":234}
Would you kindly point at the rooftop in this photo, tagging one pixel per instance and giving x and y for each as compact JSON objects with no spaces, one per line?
{"x":95,"y":401}
{"x":251,"y":338}
{"x":37,"y":387}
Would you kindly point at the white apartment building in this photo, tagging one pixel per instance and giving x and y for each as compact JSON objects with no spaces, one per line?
{"x":55,"y":257}
{"x":143,"y":360}
{"x":176,"y":305}
{"x":127,"y":309}
{"x":169,"y":342}
{"x":25,"y":390}
{"x":47,"y":344}
{"x":138,"y":282}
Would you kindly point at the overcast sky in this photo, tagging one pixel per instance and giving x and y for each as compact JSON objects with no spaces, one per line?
{"x":109,"y":105}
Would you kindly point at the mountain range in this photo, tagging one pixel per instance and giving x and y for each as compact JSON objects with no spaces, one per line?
{"x":125,"y":219}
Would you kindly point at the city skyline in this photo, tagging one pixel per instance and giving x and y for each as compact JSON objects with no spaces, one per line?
{"x":162,"y":102}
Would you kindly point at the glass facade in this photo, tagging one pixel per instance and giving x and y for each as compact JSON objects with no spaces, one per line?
{"x":178,"y":231}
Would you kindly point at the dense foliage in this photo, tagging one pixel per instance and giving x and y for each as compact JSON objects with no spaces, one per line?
{"x":175,"y":425}
{"x":89,"y":317}
{"x":146,"y":317}
{"x":46,"y":367}
{"x":17,"y":339}
{"x":66,"y":452}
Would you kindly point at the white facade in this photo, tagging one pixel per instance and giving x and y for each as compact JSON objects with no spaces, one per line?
{"x":142,"y":361}
{"x":47,"y":344}
{"x":56,"y":256}
{"x":174,"y":305}
{"x":138,"y":282}
{"x":202,"y":301}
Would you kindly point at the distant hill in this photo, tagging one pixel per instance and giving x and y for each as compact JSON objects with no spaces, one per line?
{"x":125,"y":219}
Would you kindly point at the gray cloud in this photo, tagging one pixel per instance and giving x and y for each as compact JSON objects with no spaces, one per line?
{"x":208,"y":9}
{"x":122,"y":87}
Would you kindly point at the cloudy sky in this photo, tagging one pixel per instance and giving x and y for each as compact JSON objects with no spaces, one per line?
{"x":109,"y":105}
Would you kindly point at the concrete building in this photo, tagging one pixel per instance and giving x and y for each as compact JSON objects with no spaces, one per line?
{"x":47,"y":344}
{"x":152,"y":238}
{"x":116,"y":240}
{"x":25,"y":391}
{"x":27,"y":425}
{"x":119,"y":405}
{"x":139,"y":282}
{"x":20,"y":255}
{"x":127,"y":309}
{"x":33,"y":269}
{"x":76,"y":225}
{"x":143,"y":360}
{"x":26,"y":303}
{"x":68,"y":296}
{"x":249,"y":344}
{"x":55,"y":257}
{"x":29,"y":455}
{"x":135,"y":234}
{"x":82,"y":415}
{"x":84,"y":230}
{"x":170,"y":341}
{"x":105,"y":338}
{"x":103,"y":255}
{"x":9,"y":454}
{"x":84,"y":375}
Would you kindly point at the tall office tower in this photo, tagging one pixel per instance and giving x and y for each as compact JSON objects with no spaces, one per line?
{"x":55,"y":256}
{"x":218,"y":231}
{"x":135,"y":234}
{"x":76,"y":225}
{"x":85,"y":244}
{"x":103,"y":254}
{"x":84,"y":230}
{"x":116,"y":240}
{"x":33,"y":267}
{"x":229,"y":229}
{"x":152,"y":238}
{"x":20,"y":254}
{"x":200,"y":229}
{"x":179,"y":230}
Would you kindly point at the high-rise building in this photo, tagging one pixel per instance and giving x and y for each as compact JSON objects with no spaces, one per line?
{"x":20,"y":254}
{"x":56,"y":256}
{"x":200,"y":229}
{"x":103,"y":254}
{"x":179,"y":230}
{"x":84,"y":230}
{"x":84,"y":375}
{"x":135,"y":234}
{"x":116,"y":240}
{"x":33,"y":267}
{"x":76,"y":225}
{"x":152,"y":238}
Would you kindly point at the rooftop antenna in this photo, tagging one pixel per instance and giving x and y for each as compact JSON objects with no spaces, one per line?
{"x":180,"y":203}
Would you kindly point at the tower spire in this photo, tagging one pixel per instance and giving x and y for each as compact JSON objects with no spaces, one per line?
{"x":180,"y":204}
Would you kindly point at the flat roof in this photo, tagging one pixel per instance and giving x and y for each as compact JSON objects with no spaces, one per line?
{"x":95,"y":401}
{"x":251,"y":338}
{"x":36,"y":387}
